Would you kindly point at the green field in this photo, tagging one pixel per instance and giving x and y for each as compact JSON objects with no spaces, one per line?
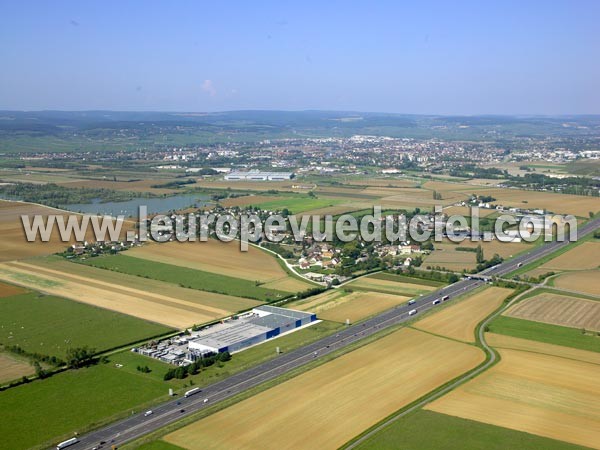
{"x":48,"y":411}
{"x":185,"y":277}
{"x":542,"y":332}
{"x":405,"y":279}
{"x":159,"y":445}
{"x":298,"y":205}
{"x":49,"y":325}
{"x":433,"y":431}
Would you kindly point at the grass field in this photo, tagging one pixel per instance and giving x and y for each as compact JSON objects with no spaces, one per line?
{"x":558,"y":309}
{"x":49,"y":325}
{"x":392,"y":284}
{"x":143,"y":298}
{"x":582,"y":257}
{"x":448,"y":432}
{"x":503,"y":341}
{"x":219,"y":257}
{"x":362,"y":387}
{"x":51,"y":410}
{"x":407,"y":279}
{"x":540,"y":394}
{"x":543,"y":332}
{"x":159,"y":445}
{"x":584,"y":281}
{"x":297,"y":205}
{"x":12,"y":368}
{"x":459,"y":320}
{"x":185,"y":277}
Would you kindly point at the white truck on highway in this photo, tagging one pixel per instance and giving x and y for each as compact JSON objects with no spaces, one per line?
{"x":191,"y":392}
{"x":412,"y":312}
{"x":67,"y":443}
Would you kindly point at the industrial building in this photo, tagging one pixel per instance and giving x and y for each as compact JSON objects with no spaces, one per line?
{"x":231,"y":335}
{"x":263,"y":323}
{"x":256,"y":175}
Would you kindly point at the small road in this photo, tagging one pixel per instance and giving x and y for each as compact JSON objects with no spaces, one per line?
{"x":138,"y":425}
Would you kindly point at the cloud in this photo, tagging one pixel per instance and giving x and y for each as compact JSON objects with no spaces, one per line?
{"x":209,"y":88}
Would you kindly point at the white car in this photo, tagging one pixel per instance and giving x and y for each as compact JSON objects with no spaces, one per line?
{"x":148,"y":413}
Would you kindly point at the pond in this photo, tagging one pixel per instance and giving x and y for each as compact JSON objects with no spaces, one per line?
{"x":130,"y":208}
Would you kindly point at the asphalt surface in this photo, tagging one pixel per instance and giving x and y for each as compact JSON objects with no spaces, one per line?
{"x":139,"y":425}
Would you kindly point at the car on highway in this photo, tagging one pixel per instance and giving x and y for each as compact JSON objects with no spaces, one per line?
{"x":148,"y":413}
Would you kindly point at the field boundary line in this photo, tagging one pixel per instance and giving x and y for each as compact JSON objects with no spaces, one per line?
{"x":492,"y":358}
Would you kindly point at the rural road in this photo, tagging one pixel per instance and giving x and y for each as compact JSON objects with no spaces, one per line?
{"x":138,"y":425}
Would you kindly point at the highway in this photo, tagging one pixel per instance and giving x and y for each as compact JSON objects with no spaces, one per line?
{"x":139,"y":425}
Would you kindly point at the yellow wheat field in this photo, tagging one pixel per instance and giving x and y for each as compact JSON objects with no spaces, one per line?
{"x":514,"y":343}
{"x":586,"y":281}
{"x":558,"y":309}
{"x":585,"y":256}
{"x":540,"y":394}
{"x":329,"y":405}
{"x":458,"y":321}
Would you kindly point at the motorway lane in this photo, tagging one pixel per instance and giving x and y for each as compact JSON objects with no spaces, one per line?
{"x":138,"y":425}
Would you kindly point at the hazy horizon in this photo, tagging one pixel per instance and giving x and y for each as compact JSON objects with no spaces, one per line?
{"x":534,"y":59}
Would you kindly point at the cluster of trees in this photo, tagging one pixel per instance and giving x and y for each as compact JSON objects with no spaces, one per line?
{"x":309,"y":292}
{"x":192,"y":369}
{"x":479,"y":255}
{"x":569,"y":185}
{"x":431,"y":274}
{"x":54,"y":195}
{"x":484,"y":264}
{"x":78,"y":357}
{"x":283,"y":252}
{"x":473,"y":171}
{"x":144,"y":369}
{"x":174,"y":184}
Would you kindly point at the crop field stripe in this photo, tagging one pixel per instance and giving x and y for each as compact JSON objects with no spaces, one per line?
{"x":558,"y":309}
{"x":543,"y":332}
{"x":179,"y":275}
{"x":540,"y":394}
{"x":450,"y":432}
{"x":513,"y":343}
{"x":143,"y":295}
{"x":130,"y":305}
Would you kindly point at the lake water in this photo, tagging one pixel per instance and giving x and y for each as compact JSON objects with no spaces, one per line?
{"x":131,"y":207}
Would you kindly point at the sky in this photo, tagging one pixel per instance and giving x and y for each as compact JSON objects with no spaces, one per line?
{"x":418,"y":57}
